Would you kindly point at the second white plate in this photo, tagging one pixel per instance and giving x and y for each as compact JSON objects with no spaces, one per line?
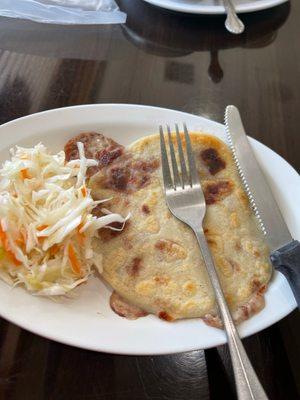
{"x":214,"y":6}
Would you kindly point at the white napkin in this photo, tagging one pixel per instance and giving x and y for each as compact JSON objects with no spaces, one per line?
{"x":75,"y":12}
{"x":88,"y":5}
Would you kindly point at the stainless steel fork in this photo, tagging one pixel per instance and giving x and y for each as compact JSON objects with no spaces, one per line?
{"x":185,"y":199}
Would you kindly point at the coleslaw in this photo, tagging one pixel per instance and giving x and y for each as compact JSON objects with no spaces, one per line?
{"x":47,"y":228}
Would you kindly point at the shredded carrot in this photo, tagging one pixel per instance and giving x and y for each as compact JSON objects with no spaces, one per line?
{"x":54,"y":249}
{"x":24,"y":236}
{"x":5,"y":244}
{"x":80,"y":238}
{"x":20,"y":241}
{"x":75,"y":264}
{"x":24,"y":173}
{"x":41,"y":227}
{"x":80,"y":235}
{"x":84,"y":191}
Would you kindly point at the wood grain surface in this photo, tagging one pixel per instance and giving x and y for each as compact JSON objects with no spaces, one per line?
{"x":170,"y":60}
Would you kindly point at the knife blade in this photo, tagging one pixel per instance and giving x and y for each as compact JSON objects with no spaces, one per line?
{"x":285,"y":251}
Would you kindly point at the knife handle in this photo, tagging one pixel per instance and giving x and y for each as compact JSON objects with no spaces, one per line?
{"x":287,"y":261}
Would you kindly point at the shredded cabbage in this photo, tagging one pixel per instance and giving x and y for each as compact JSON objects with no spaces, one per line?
{"x":47,"y":228}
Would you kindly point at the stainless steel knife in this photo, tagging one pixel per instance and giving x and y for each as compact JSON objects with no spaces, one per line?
{"x":285,"y":251}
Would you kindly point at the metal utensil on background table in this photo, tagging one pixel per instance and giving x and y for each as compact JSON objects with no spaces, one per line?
{"x":284,"y":250}
{"x":185,"y":199}
{"x":232,"y":23}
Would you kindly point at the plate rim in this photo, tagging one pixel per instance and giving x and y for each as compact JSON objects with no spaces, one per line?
{"x":115,"y":349}
{"x":213,"y":9}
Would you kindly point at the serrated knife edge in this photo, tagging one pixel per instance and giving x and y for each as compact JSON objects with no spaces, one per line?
{"x":259,"y":193}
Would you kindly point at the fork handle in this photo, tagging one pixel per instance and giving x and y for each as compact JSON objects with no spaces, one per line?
{"x":247,"y":384}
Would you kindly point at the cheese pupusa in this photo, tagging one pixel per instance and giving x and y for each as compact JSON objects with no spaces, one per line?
{"x":155,"y":264}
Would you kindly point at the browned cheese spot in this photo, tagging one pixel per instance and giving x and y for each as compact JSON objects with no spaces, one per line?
{"x":170,"y":250}
{"x":165,"y":316}
{"x":164,"y":245}
{"x":254,"y":304}
{"x":130,"y":176}
{"x":245,"y":311}
{"x":211,"y":242}
{"x":162,"y":280}
{"x":146,"y":166}
{"x":212,"y":320}
{"x":108,"y":155}
{"x":212,"y":160}
{"x":238,"y":246}
{"x":71,"y":149}
{"x":124,"y":309}
{"x":94,"y":144}
{"x":133,"y":269}
{"x":145,"y":209}
{"x":119,"y":178}
{"x":235,"y":266}
{"x":262,"y":289}
{"x":256,"y":285}
{"x":141,"y":172}
{"x":217,"y":191}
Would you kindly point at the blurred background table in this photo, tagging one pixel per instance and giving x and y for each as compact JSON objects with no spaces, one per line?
{"x":184,"y":62}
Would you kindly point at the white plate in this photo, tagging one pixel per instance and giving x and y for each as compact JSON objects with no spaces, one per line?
{"x":214,"y":6}
{"x":87,"y":321}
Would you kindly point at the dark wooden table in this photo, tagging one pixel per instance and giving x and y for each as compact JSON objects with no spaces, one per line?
{"x":178,"y":61}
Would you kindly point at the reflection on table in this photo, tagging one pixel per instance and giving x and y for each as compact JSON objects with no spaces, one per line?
{"x":184,"y":34}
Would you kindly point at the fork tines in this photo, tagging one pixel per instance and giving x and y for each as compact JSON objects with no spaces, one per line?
{"x":187,"y":176}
